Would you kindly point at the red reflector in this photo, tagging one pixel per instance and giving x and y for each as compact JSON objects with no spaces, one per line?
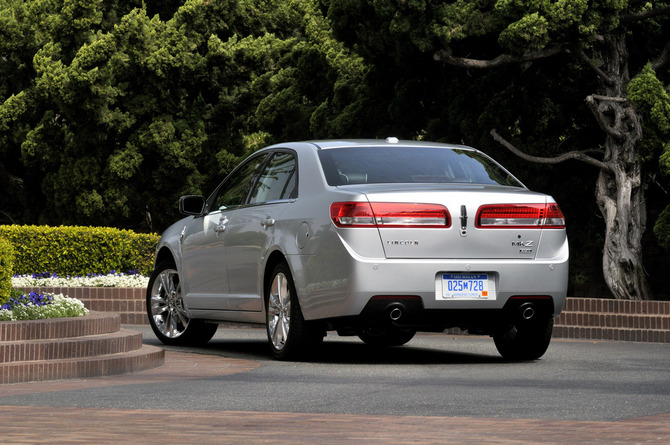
{"x":520,"y":216}
{"x":389,"y":214}
{"x":531,"y":297}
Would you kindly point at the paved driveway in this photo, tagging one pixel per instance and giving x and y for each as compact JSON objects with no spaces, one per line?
{"x":436,"y":389}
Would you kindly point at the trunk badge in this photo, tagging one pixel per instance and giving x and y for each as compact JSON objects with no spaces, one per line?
{"x":464,"y":221}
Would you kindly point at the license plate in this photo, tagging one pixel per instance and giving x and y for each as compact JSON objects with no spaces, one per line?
{"x":458,"y":285}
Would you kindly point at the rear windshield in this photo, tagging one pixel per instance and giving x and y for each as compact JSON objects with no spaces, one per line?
{"x":419,"y":165}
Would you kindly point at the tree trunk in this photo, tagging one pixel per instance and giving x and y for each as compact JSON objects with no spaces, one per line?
{"x":619,"y":190}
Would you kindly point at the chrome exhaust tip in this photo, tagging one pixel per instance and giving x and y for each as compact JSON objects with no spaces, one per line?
{"x":527,"y":311}
{"x":395,"y":314}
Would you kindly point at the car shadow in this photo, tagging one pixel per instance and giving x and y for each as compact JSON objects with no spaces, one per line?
{"x":360,"y":353}
{"x":341,"y":352}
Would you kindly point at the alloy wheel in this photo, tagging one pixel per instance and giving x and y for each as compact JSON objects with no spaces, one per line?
{"x":167,"y":306}
{"x":279,"y":311}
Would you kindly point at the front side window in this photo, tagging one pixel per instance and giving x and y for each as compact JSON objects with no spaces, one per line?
{"x":278,"y":180}
{"x":411,"y":165}
{"x":234,"y":192}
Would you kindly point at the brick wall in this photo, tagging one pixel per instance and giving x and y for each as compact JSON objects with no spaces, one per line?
{"x":582,"y":318}
{"x":622,"y":320}
{"x":128,"y":302}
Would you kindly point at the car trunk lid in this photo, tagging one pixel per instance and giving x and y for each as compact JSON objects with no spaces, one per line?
{"x":505,"y":231}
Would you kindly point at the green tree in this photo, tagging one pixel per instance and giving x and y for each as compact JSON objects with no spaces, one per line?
{"x":120,"y":112}
{"x":572,"y":57}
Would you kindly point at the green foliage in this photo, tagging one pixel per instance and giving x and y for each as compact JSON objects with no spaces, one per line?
{"x":530,"y":33}
{"x":113,"y":112}
{"x":653,"y":101}
{"x":539,"y":104}
{"x":651,"y":98}
{"x":109,"y":111}
{"x":79,"y":251}
{"x":662,"y":228}
{"x":6,"y":270}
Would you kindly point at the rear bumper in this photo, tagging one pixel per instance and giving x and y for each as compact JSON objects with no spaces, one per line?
{"x":409,"y":313}
{"x":353,"y":283}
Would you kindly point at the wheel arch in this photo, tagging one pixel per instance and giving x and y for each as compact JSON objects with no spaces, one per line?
{"x":274,"y":259}
{"x":164,"y":254}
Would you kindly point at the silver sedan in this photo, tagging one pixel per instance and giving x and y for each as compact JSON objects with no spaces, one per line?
{"x":373,"y":238}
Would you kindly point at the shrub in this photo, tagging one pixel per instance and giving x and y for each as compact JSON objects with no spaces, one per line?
{"x":79,"y":251}
{"x":6,"y":270}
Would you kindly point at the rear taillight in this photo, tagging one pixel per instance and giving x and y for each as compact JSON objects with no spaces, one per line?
{"x":389,"y":214}
{"x":520,"y":216}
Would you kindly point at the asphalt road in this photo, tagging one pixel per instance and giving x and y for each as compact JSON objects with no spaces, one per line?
{"x":433,"y":375}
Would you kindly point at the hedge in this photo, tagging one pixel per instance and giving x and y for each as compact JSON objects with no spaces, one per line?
{"x":79,"y":251}
{"x":6,"y":268}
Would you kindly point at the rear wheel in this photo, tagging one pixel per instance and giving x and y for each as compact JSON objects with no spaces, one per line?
{"x":167,"y":314}
{"x":289,"y":334}
{"x":524,"y":341}
{"x":386,"y":336}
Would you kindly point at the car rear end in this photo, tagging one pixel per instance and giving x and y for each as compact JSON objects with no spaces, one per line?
{"x":456,"y":242}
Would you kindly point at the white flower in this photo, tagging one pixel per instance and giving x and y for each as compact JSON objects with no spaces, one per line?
{"x":109,"y":280}
{"x":6,"y":315}
{"x":60,"y":307}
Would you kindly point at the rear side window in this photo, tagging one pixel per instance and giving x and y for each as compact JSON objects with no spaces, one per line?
{"x":418,"y":165}
{"x":278,"y":180}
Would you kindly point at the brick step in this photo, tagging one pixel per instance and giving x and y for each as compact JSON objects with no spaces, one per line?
{"x":614,"y":320}
{"x":596,"y":305}
{"x":124,"y":340}
{"x":616,"y":334}
{"x":96,"y":323}
{"x":147,"y":357}
{"x":621,"y":320}
{"x":77,"y":347}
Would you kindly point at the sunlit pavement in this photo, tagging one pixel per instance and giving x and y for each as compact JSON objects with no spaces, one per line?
{"x":71,"y":424}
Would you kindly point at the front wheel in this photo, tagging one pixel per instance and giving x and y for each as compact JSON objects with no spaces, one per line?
{"x":524,"y":341}
{"x":290,"y":336}
{"x":167,"y":314}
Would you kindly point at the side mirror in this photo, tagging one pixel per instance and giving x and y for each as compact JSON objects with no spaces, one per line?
{"x":192,"y":205}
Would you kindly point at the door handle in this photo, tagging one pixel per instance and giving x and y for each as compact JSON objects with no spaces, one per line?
{"x":268,"y":222}
{"x":221,"y":226}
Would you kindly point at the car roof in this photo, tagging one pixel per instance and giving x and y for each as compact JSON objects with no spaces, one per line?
{"x":388,"y":142}
{"x":328,"y":144}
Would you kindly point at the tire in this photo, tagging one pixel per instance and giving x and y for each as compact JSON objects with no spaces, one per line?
{"x":168,"y":316}
{"x":290,"y":336}
{"x":386,"y":337}
{"x":524,"y":342}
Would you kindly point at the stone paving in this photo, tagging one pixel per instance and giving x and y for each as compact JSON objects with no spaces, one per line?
{"x":32,"y":425}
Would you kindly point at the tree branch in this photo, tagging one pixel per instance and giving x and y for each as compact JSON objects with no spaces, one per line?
{"x":577,"y":155}
{"x":638,"y":16}
{"x":599,"y":109}
{"x":607,"y":98}
{"x":445,"y":55}
{"x":607,"y":79}
{"x":662,"y":59}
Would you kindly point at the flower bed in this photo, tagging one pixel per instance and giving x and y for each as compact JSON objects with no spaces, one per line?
{"x":112,"y":279}
{"x":43,"y":297}
{"x":34,"y":306}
